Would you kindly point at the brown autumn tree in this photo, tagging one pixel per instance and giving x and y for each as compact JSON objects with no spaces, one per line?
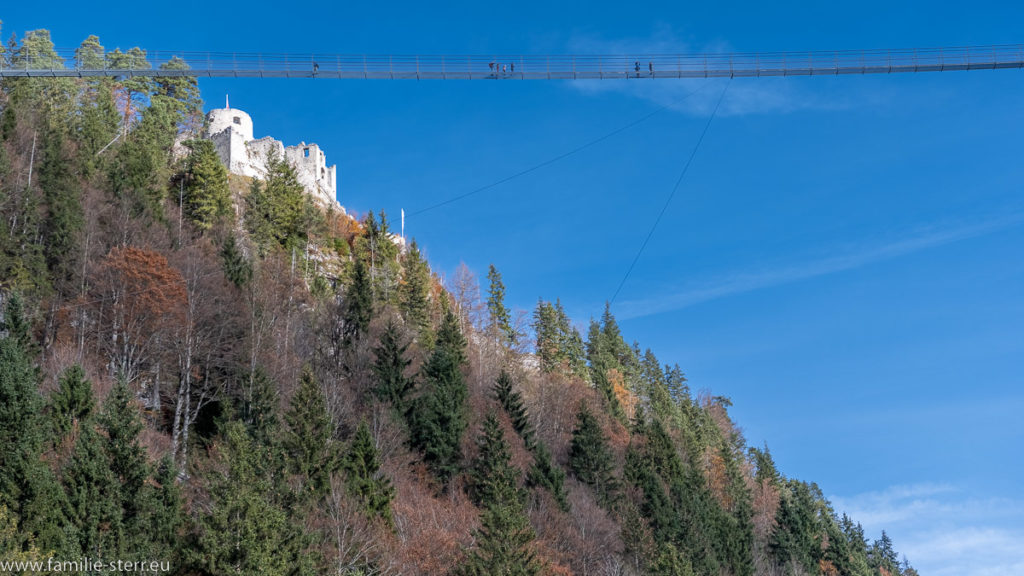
{"x":138,"y":298}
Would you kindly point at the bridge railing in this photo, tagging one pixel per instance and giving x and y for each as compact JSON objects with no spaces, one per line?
{"x":509,"y":66}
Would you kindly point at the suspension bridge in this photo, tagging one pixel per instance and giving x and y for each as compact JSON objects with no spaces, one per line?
{"x":72,"y":63}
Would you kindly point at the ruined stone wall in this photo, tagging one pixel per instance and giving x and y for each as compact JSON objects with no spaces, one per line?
{"x":231,"y":131}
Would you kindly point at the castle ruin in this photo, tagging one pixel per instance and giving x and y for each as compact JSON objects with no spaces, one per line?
{"x":230,"y":130}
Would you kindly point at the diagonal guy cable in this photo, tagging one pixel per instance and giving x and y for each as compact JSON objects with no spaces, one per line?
{"x":675,"y":188}
{"x":550,"y":161}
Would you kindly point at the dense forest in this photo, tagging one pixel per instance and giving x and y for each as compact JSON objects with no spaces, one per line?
{"x":217,"y":374}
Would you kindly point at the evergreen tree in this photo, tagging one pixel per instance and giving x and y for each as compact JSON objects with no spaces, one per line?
{"x":882,"y":556}
{"x":93,"y":497}
{"x":376,"y":248}
{"x":363,"y":477}
{"x":122,"y":424}
{"x":278,"y":211}
{"x":501,"y":318}
{"x":64,"y":219}
{"x":236,"y":267}
{"x":512,"y":402}
{"x":246,"y":529}
{"x":670,"y":562}
{"x":27,"y":486}
{"x":590,"y":458}
{"x":796,"y":538}
{"x":570,"y":342}
{"x":414,"y":291}
{"x":357,"y":305}
{"x":17,"y":326}
{"x":308,"y":443}
{"x":604,"y":343}
{"x":440,"y":415}
{"x":503,"y":542}
{"x":546,"y":474}
{"x":392,"y":385}
{"x":72,"y":402}
{"x":161,"y":518}
{"x":259,"y":408}
{"x":206,"y":198}
{"x":545,"y":326}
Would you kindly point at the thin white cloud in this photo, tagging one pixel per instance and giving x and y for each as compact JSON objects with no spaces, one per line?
{"x":944,"y":531}
{"x":847,"y":258}
{"x":745,"y":96}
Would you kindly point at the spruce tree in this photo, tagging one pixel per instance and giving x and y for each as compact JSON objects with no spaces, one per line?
{"x":357,"y":304}
{"x":392,"y":385}
{"x":64,"y":217}
{"x":308,"y":443}
{"x":94,"y":497}
{"x":236,"y":267}
{"x":246,"y":529}
{"x":279,"y":213}
{"x":547,"y":475}
{"x":570,"y":342}
{"x":501,"y":318}
{"x":72,"y":402}
{"x":590,"y":458}
{"x":27,"y":486}
{"x":440,"y":415}
{"x":512,"y":402}
{"x":206,"y":198}
{"x":122,"y":424}
{"x":545,"y":327}
{"x":364,"y":479}
{"x":503,"y":541}
{"x":414,"y":291}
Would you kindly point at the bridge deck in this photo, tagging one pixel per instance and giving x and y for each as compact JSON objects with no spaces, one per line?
{"x":534,"y":67}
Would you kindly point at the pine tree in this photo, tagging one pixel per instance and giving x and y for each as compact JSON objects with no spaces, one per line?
{"x":309,"y":446}
{"x":392,"y":385}
{"x":72,"y":402}
{"x":363,"y":477}
{"x":440,"y":415}
{"x":503,"y":542}
{"x":590,"y":458}
{"x":501,"y":318}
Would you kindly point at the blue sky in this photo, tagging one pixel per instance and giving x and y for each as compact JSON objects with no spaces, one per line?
{"x":843,"y":258}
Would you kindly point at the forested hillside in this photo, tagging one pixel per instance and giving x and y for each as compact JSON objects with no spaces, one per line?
{"x":219,"y":375}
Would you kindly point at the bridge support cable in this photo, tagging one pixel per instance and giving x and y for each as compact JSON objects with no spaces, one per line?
{"x":675,"y":188}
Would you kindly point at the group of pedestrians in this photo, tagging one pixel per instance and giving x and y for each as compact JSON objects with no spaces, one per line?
{"x":503,"y":69}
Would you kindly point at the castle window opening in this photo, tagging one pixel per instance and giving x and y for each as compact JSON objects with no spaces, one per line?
{"x":305,"y":152}
{"x":237,"y":120}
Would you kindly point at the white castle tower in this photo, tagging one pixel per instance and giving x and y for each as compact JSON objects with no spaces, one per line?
{"x":230,"y":130}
